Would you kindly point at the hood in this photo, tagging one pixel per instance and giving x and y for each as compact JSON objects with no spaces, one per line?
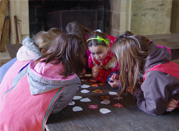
{"x":44,"y":77}
{"x":28,"y":51}
{"x":156,"y":56}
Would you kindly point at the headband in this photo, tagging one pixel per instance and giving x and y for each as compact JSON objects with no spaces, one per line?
{"x":100,"y":39}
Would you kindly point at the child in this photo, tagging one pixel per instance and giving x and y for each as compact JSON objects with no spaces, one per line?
{"x":101,"y":59}
{"x":151,"y":75}
{"x":46,"y":86}
{"x":75,"y":27}
{"x":113,"y":78}
{"x":31,"y":50}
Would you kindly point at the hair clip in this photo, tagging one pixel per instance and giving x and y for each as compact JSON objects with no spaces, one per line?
{"x":100,"y":39}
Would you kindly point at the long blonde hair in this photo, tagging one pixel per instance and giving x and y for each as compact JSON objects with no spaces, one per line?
{"x":131,"y":52}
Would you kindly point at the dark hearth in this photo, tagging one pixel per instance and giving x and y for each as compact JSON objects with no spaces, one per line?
{"x":90,"y":13}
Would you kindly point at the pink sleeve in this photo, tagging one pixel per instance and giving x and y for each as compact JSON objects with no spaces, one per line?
{"x":90,"y":62}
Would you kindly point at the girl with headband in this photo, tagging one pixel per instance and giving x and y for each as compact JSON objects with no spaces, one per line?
{"x":101,"y":60}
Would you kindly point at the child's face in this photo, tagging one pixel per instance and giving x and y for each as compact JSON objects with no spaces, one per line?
{"x":99,"y":52}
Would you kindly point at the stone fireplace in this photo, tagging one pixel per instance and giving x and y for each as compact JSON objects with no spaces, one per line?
{"x":114,"y":17}
{"x":103,"y":14}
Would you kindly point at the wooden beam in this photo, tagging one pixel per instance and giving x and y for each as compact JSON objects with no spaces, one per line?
{"x":3,"y":7}
{"x":12,"y":12}
{"x":5,"y":34}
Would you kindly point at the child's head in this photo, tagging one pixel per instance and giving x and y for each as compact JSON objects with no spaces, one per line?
{"x":127,"y":33}
{"x":98,"y":45}
{"x":68,"y":49}
{"x":54,"y":31}
{"x":43,"y":40}
{"x":131,"y":52}
{"x":78,"y":29}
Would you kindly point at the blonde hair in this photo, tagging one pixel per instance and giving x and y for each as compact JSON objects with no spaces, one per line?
{"x":54,"y":31}
{"x":131,"y":52}
{"x":43,"y":40}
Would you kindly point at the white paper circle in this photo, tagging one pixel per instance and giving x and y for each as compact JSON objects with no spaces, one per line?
{"x":88,"y":75}
{"x":85,"y":100}
{"x":105,"y":102}
{"x":112,"y":93}
{"x":85,"y":86}
{"x":85,"y":91}
{"x":71,"y":103}
{"x":104,"y":110}
{"x":77,"y":97}
{"x":77,"y":108}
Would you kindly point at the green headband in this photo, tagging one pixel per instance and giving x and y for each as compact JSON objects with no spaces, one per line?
{"x":100,"y":39}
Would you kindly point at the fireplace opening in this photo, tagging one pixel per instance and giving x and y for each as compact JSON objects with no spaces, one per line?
{"x":45,"y":14}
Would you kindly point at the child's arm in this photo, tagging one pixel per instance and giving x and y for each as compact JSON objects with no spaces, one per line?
{"x":153,"y":97}
{"x":65,"y":97}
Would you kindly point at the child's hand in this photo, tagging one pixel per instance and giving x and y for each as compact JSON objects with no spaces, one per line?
{"x":129,"y":90}
{"x":172,"y":104}
{"x":113,"y":82}
{"x":95,"y":71}
{"x":83,"y":72}
{"x":115,"y":76}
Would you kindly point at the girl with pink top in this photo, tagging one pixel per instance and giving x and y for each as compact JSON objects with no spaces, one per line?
{"x":44,"y":86}
{"x":101,"y":60}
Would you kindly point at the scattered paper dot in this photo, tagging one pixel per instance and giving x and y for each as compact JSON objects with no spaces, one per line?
{"x":105,"y":102}
{"x":104,"y":110}
{"x":118,"y":105}
{"x":85,"y":100}
{"x":93,"y":80}
{"x":112,"y":93}
{"x":77,"y":97}
{"x":71,"y":103}
{"x":77,"y":108}
{"x":85,"y":86}
{"x":88,"y":75}
{"x":85,"y":91}
{"x":93,"y":106}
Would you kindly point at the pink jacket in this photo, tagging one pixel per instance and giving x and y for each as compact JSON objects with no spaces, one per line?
{"x":35,"y":93}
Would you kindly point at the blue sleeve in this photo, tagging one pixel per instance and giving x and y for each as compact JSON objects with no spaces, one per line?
{"x":4,"y":68}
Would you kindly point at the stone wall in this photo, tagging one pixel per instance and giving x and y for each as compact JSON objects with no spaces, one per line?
{"x":119,"y":16}
{"x":151,"y":17}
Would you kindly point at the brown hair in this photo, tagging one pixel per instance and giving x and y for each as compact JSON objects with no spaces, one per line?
{"x":131,"y":53}
{"x":94,"y":42}
{"x":127,"y":33}
{"x":78,"y":29}
{"x":43,"y":40}
{"x":68,"y":49}
{"x":54,"y":31}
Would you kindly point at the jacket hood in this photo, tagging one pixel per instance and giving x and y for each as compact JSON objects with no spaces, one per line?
{"x":156,"y":56}
{"x":45,"y":77}
{"x":28,"y":51}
